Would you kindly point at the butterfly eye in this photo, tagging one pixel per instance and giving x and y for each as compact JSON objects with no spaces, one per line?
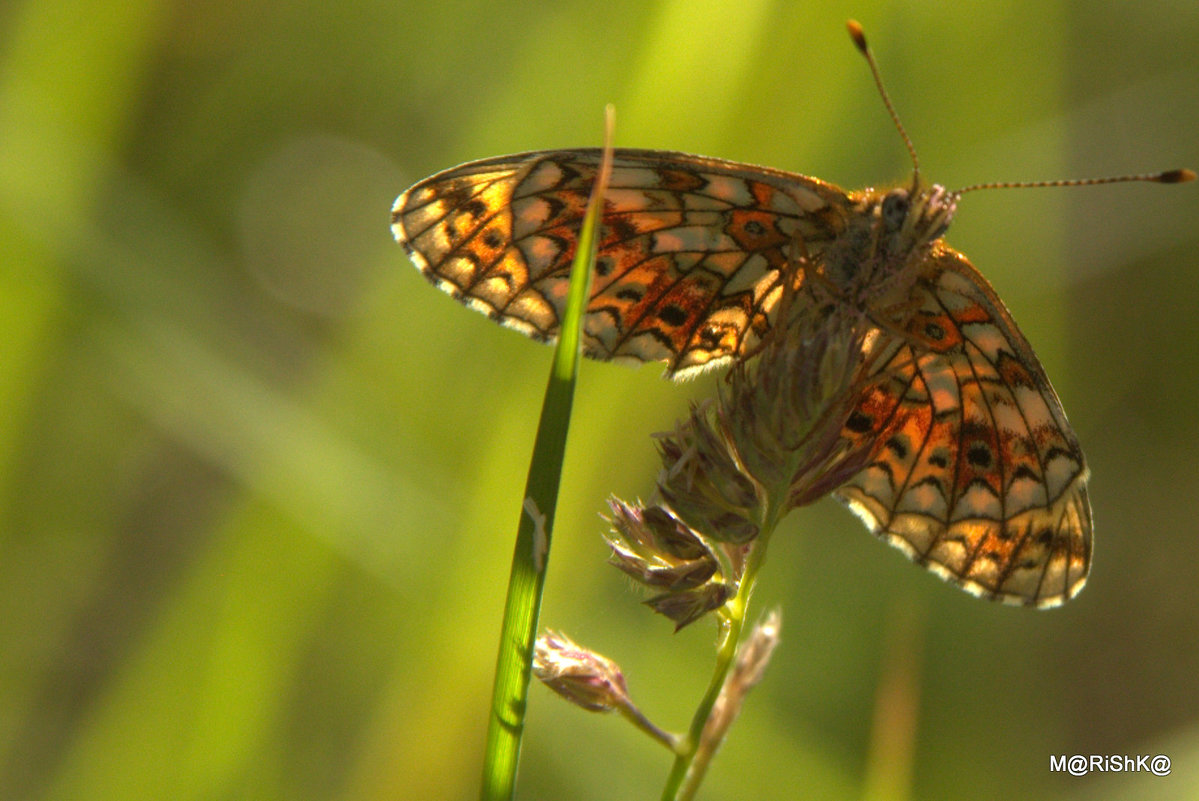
{"x":895,"y":209}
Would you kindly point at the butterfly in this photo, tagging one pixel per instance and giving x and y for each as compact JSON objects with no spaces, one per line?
{"x":975,"y":471}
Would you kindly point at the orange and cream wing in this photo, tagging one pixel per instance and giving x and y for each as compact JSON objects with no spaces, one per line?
{"x":976,"y":475}
{"x":691,"y":253}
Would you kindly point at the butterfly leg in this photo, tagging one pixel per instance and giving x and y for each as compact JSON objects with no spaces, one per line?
{"x":792,"y":276}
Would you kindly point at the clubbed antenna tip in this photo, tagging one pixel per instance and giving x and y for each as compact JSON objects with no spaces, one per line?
{"x":1176,"y":176}
{"x":857,"y":34}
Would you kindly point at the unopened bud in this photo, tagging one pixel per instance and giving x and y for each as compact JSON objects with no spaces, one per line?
{"x":580,"y":676}
{"x":657,"y":550}
{"x":688,"y":606}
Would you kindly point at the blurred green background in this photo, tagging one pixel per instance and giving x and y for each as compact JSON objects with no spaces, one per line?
{"x":259,"y":481}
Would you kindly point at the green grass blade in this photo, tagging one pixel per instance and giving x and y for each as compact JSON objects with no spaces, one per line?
{"x":512,"y":670}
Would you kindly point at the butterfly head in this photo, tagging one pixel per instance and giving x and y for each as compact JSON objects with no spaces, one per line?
{"x":888,"y":235}
{"x":914,"y":217}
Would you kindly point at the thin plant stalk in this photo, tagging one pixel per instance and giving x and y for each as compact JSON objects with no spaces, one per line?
{"x":529,"y":559}
{"x":694,"y":753}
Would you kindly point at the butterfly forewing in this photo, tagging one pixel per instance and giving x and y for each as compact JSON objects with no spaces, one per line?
{"x":691,"y":255}
{"x":977,"y":474}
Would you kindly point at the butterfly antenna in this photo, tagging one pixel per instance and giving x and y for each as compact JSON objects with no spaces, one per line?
{"x":859,"y":39}
{"x":1167,"y":177}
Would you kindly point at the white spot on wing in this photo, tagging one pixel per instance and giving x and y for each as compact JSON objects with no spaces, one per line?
{"x":977,"y":501}
{"x":695,"y":238}
{"x":942,"y":388}
{"x":545,"y":175}
{"x":806,"y":199}
{"x":987,"y":338}
{"x":927,"y":499}
{"x":1024,"y":494}
{"x":540,"y":253}
{"x":1060,"y":471}
{"x":727,"y":188}
{"x":528,"y":215}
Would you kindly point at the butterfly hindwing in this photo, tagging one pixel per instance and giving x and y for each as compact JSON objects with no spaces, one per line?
{"x":977,"y":473}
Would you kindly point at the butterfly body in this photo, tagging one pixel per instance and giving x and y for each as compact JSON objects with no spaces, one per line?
{"x":976,"y":474}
